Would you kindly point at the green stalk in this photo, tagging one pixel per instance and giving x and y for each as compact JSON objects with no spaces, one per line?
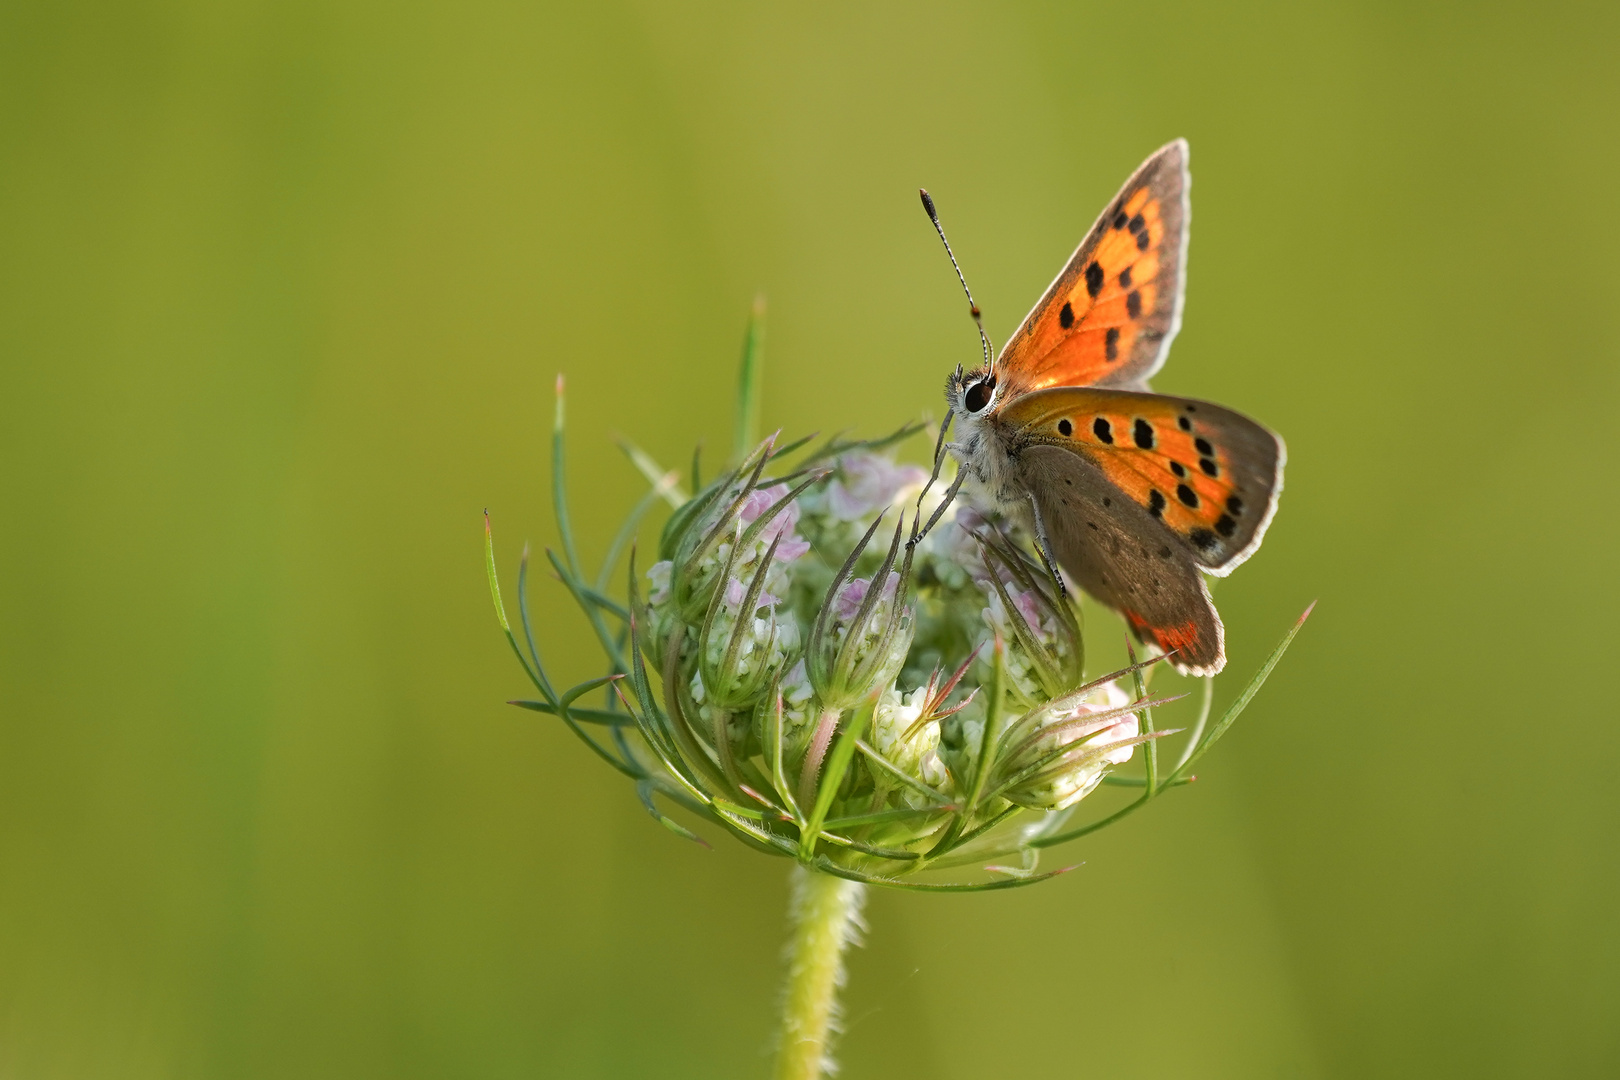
{"x":748,"y":385}
{"x":826,"y":917}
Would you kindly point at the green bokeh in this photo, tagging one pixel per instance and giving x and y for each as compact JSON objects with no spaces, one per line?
{"x":285,"y":287}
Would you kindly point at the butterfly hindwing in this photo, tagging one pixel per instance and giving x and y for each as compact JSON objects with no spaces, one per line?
{"x":1109,"y":317}
{"x":1209,"y":476}
{"x":1117,"y":553}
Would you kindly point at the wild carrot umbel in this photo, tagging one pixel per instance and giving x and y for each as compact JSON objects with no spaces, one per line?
{"x":791,"y":670}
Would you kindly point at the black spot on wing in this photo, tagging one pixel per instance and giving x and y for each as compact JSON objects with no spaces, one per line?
{"x":1101,"y":428}
{"x":1234,"y":505}
{"x":1133,"y":303}
{"x":1209,"y":467}
{"x":1142,"y":432}
{"x":1226,"y":526}
{"x":1125,"y":278}
{"x":1187,"y":495}
{"x":1065,"y":428}
{"x":1156,"y":502}
{"x":1094,"y":279}
{"x":1066,"y":315}
{"x":1111,"y":343}
{"x":1202,"y":539}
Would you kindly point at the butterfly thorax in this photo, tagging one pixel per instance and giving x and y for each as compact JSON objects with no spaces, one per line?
{"x":983,"y":451}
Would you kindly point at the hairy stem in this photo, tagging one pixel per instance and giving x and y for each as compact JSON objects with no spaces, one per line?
{"x":826,"y":916}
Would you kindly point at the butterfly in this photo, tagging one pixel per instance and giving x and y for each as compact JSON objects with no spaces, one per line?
{"x":1135,"y":494}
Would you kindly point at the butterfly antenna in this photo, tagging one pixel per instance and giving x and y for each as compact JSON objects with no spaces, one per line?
{"x":973,"y":308}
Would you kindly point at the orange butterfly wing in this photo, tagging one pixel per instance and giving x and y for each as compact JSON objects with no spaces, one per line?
{"x":1211,"y":476}
{"x":1110,"y":316}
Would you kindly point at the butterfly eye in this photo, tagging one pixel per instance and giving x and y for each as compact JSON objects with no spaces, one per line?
{"x":978,"y":395}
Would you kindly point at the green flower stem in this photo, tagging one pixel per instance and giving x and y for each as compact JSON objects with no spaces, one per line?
{"x":826,"y":919}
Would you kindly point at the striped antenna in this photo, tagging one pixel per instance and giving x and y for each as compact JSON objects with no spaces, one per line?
{"x":973,"y":309}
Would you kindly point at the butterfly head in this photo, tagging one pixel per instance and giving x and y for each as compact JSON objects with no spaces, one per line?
{"x":971,"y":394}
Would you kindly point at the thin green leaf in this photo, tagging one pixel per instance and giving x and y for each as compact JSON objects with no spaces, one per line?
{"x":881,"y":816}
{"x":584,"y":716}
{"x":749,"y":377}
{"x":773,"y":750}
{"x":1115,"y":780}
{"x":827,"y":866}
{"x":790,"y":448}
{"x":627,"y":531}
{"x":654,"y":473}
{"x":940,"y":800}
{"x":630,"y":769}
{"x":494,"y":579}
{"x":523,"y":612}
{"x":644,"y":791}
{"x":835,"y":447}
{"x":1196,"y":735}
{"x":592,"y":613}
{"x":757,"y":838}
{"x":1249,"y":691}
{"x":892,"y":854}
{"x":1150,"y":753}
{"x":559,"y":483}
{"x":1075,"y":834}
{"x":966,"y":838}
{"x":537,"y":674}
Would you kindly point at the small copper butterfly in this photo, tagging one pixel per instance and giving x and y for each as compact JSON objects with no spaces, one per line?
{"x":1133,"y":493}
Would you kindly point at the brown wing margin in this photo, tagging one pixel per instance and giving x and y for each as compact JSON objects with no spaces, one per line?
{"x":1110,"y":316}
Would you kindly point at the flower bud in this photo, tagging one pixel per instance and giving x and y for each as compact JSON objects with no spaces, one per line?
{"x":731,"y":538}
{"x":908,"y":738}
{"x":1057,"y":754}
{"x":862,"y":632}
{"x":1026,"y":609}
{"x":740,"y":652}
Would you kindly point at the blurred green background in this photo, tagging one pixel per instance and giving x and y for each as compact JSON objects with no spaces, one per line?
{"x":284,"y":290}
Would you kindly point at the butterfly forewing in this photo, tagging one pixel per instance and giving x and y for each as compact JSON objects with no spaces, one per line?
{"x":1109,"y":317}
{"x":1209,"y":476}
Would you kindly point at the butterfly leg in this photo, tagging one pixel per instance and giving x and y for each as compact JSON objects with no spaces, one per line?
{"x":950,"y":497}
{"x":939,"y":460}
{"x":1044,"y":546}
